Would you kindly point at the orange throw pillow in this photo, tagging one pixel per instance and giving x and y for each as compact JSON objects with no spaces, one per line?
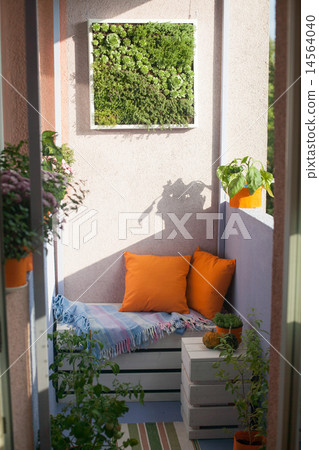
{"x":218,"y":272}
{"x":155,"y":283}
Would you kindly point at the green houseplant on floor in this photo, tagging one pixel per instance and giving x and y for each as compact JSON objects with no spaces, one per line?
{"x":250,"y":386}
{"x":243,"y":179}
{"x":90,"y":421}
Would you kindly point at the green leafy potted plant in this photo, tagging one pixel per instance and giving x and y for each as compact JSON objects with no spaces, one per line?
{"x":90,"y":421}
{"x":20,"y":240}
{"x":228,"y":324}
{"x":243,"y":181}
{"x":249,"y":386}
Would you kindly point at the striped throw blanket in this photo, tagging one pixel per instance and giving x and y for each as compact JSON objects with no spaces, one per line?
{"x":123,"y":332}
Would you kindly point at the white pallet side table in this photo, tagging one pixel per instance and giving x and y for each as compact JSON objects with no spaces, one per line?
{"x":207,"y":409}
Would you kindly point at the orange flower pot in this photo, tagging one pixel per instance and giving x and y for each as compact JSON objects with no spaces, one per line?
{"x":243,"y":200}
{"x":16,"y":273}
{"x":257,"y":441}
{"x":29,"y":262}
{"x":235,"y":331}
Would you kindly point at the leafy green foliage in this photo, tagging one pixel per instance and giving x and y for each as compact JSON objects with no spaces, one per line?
{"x":91,"y":420}
{"x":271,"y":120}
{"x":19,"y":238}
{"x":250,"y":384}
{"x":142,"y":73}
{"x":231,"y":340}
{"x":70,"y":193}
{"x":227,"y":320}
{"x":243,"y":172}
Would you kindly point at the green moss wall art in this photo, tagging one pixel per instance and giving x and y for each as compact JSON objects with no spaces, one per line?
{"x":142,"y":74}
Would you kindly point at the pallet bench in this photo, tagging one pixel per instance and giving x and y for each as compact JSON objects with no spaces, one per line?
{"x":157,"y":368}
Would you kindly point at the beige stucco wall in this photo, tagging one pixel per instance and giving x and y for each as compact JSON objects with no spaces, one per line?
{"x":126,"y":170}
{"x":248,"y":64}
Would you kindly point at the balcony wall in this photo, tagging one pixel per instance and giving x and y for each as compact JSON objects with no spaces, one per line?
{"x":252,"y":284}
{"x":130,"y":171}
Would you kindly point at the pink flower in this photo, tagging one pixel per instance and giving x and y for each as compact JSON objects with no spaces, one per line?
{"x":17,"y":198}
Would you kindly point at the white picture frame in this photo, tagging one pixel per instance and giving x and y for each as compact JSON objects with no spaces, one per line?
{"x":93,"y":126}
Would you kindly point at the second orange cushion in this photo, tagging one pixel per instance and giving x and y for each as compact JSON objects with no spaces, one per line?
{"x":208,"y":282}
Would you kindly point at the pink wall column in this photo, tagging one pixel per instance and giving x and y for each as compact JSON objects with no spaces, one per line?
{"x":13,"y":55}
{"x":64,"y":71}
{"x":13,"y":69}
{"x":46,"y":62}
{"x":17,"y":304}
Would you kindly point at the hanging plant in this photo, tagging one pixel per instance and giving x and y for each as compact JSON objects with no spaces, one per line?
{"x":20,"y":240}
{"x":243,"y":179}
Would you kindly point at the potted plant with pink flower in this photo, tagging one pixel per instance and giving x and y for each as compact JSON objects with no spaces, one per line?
{"x":20,"y":240}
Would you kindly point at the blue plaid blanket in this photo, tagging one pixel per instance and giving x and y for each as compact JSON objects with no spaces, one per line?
{"x":123,"y":332}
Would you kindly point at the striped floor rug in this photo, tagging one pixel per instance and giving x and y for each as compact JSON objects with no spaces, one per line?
{"x":159,"y":436}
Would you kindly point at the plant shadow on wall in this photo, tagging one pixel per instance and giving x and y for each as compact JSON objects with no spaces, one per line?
{"x":182,"y":231}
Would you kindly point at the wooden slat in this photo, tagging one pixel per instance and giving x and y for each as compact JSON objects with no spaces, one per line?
{"x":197,"y":350}
{"x":205,"y":394}
{"x":208,"y":415}
{"x":208,"y":433}
{"x":204,"y":371}
{"x":150,"y":360}
{"x":199,"y":361}
{"x":212,"y":393}
{"x":143,"y":361}
{"x":148,"y":397}
{"x":149,"y":381}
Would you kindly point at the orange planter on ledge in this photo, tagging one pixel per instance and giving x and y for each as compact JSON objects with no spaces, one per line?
{"x":29,"y":262}
{"x":242,"y":436}
{"x":235,"y":331}
{"x":16,"y":273}
{"x":243,"y":200}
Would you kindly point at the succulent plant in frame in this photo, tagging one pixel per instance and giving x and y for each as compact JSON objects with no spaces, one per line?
{"x":149,"y":68}
{"x":113,"y":40}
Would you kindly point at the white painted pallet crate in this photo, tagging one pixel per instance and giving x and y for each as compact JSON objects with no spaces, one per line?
{"x":207,"y":408}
